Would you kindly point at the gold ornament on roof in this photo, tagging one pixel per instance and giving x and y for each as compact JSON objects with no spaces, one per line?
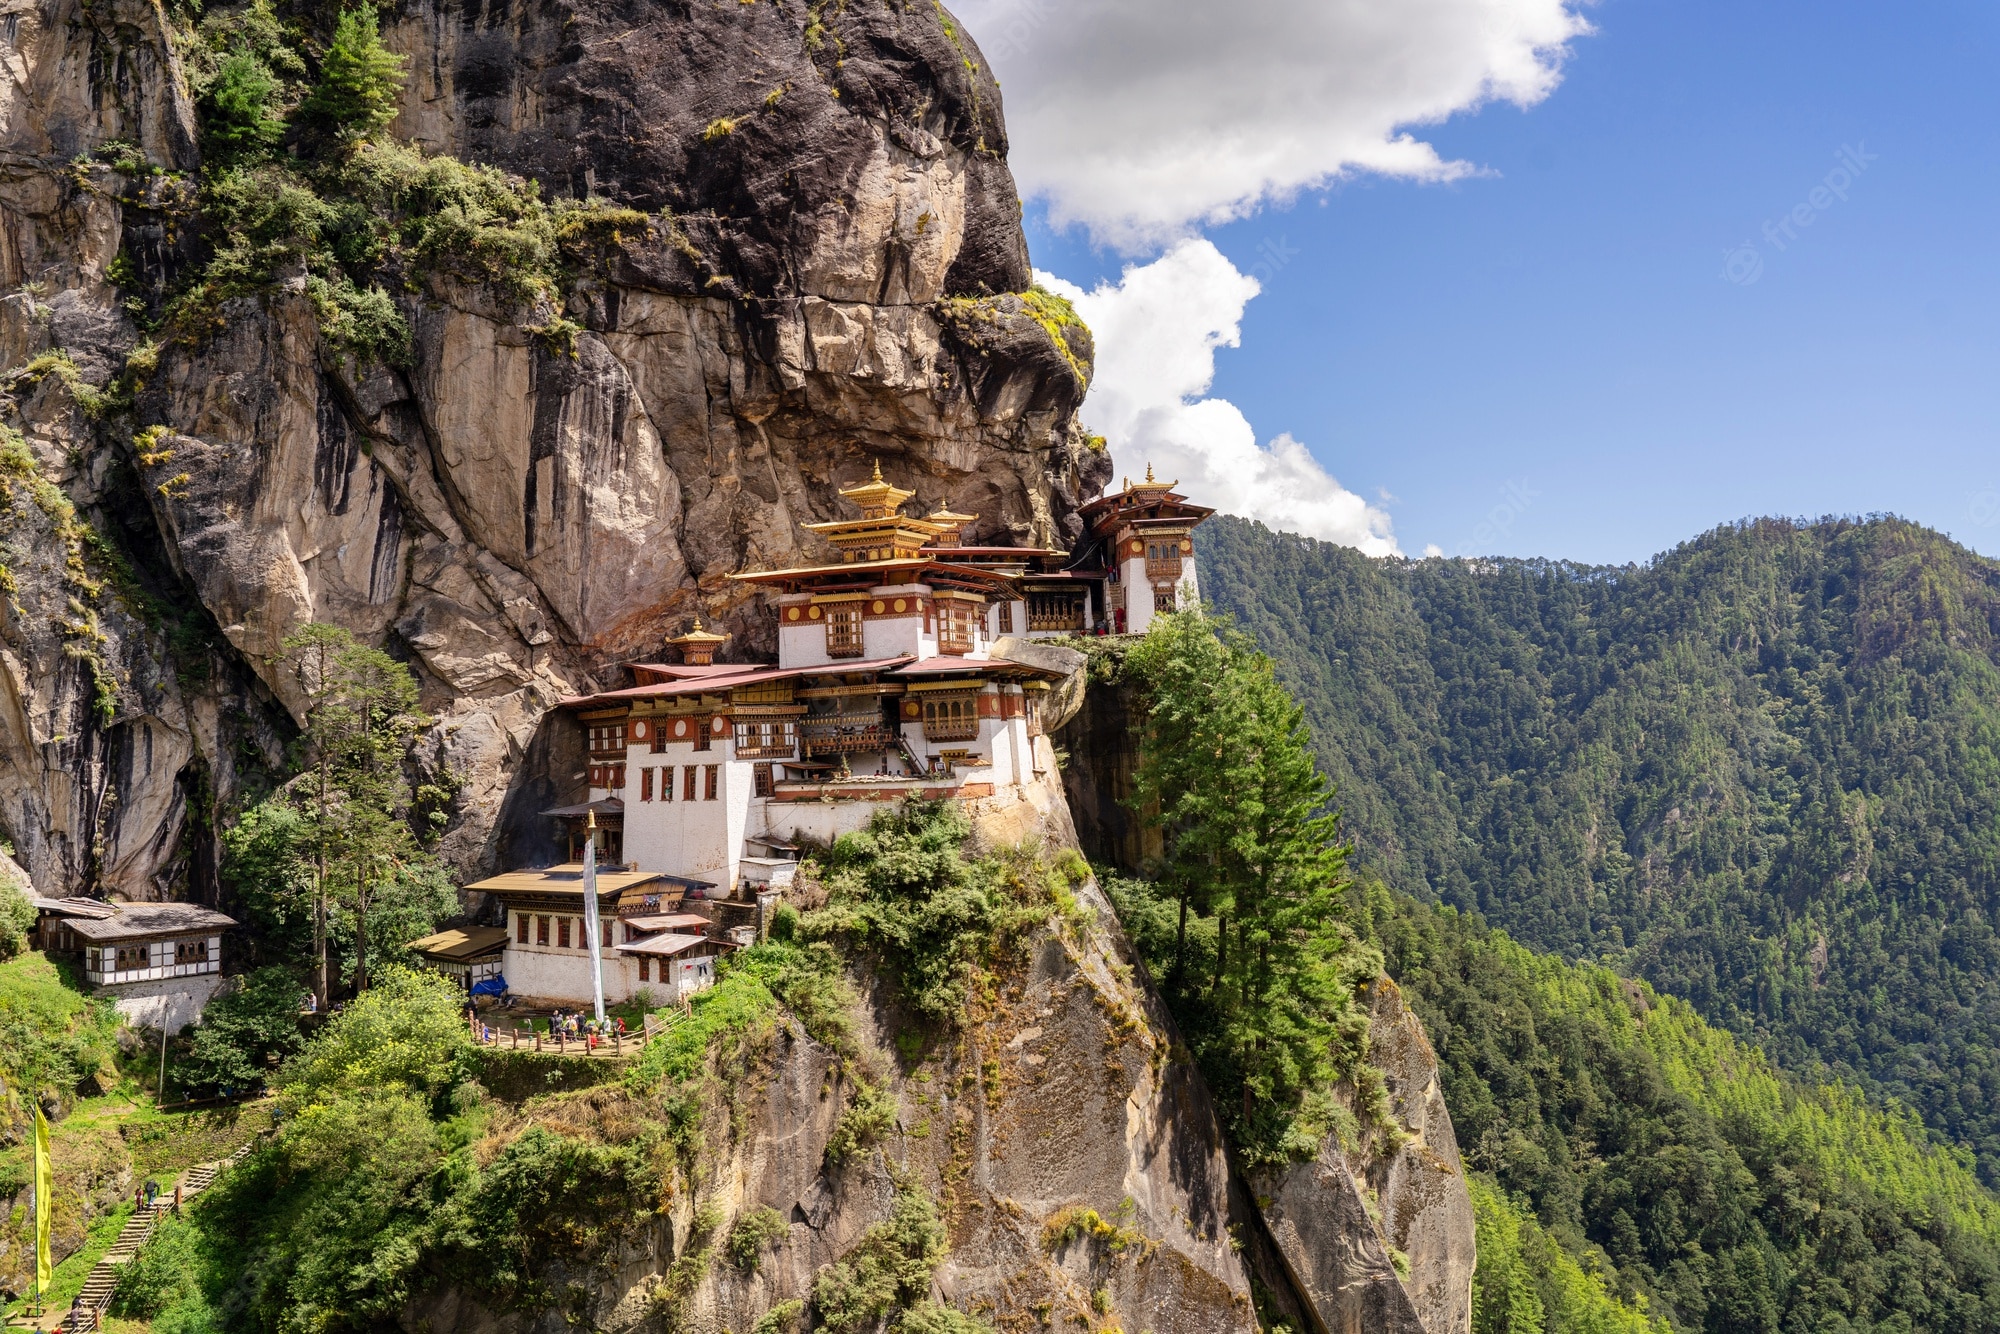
{"x":698,"y":645}
{"x":877,"y":498}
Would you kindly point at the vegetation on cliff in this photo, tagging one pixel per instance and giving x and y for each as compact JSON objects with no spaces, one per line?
{"x":398,"y":1170}
{"x":1259,"y":969}
{"x":1632,"y":1166}
{"x":1762,"y":772}
{"x":344,"y":843}
{"x":1676,"y":1166}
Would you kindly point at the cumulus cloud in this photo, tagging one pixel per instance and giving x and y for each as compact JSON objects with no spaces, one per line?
{"x":1142,"y":118}
{"x":1157,"y":330}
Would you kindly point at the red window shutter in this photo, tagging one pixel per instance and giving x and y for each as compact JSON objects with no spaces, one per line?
{"x":562,"y":933}
{"x":520,"y":928}
{"x":642,"y":969}
{"x":687,"y":788}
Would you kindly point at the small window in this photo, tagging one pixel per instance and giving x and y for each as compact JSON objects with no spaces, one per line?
{"x":955,"y":627}
{"x":94,"y":960}
{"x":191,"y":951}
{"x":709,"y":782}
{"x":703,"y":734}
{"x":644,"y":973}
{"x":645,"y":785}
{"x":605,"y":933}
{"x":1006,"y":618}
{"x":951,"y":718}
{"x":131,"y":957}
{"x":520,"y":928}
{"x":687,"y":782}
{"x":616,"y":781}
{"x":659,"y":737}
{"x":761,"y":779}
{"x":843,"y":630}
{"x":541,"y":930}
{"x":562,"y":933}
{"x":607,"y":739}
{"x":1165,"y":600}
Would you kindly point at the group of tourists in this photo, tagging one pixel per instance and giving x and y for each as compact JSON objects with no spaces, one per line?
{"x":575,"y":1026}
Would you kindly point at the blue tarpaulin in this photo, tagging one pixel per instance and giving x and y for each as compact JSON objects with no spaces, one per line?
{"x":495,"y":985}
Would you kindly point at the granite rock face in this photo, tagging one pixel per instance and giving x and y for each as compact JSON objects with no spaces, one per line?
{"x":825,"y":281}
{"x":1061,"y":1092}
{"x":1379,"y":1237}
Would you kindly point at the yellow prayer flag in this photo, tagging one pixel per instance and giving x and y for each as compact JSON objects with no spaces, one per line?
{"x":45,"y":1199}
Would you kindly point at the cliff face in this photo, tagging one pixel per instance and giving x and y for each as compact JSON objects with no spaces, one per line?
{"x":821,"y":283}
{"x":1071,"y":1155}
{"x":1375,"y":1236}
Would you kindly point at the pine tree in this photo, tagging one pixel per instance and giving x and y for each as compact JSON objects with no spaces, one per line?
{"x":360,"y":80}
{"x":361,"y":717}
{"x":1250,"y":840}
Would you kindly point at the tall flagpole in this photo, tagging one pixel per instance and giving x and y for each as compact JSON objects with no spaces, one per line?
{"x":590,"y":918}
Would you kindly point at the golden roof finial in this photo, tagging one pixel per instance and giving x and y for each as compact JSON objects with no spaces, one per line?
{"x":878,"y":470}
{"x":1149,"y":473}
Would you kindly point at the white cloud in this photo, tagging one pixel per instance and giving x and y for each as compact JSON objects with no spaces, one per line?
{"x":1142,"y":118}
{"x":1157,"y":331}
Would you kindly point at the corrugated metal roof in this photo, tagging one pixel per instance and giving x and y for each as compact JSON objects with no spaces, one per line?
{"x":564,"y":879}
{"x":458,"y":945}
{"x":663,"y":945}
{"x":151,"y":919}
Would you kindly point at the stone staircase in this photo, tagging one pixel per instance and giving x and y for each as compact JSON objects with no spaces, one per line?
{"x":132,"y":1238}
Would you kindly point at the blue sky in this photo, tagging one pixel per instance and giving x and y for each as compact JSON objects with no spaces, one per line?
{"x":1552,"y":358}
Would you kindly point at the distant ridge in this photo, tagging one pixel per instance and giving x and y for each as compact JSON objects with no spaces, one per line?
{"x":1761,"y":771}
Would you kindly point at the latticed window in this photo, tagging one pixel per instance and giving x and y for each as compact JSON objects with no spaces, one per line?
{"x":134,"y":956}
{"x":955,"y":622}
{"x":191,"y":951}
{"x":1165,"y":599}
{"x":1006,"y":618}
{"x":760,"y":777}
{"x":607,"y":739}
{"x":1055,"y":611}
{"x":777,"y":740}
{"x":951,"y":717}
{"x":708,"y":782}
{"x":843,"y":631}
{"x":1163,"y":558}
{"x":645,"y":785}
{"x":1031,"y":708}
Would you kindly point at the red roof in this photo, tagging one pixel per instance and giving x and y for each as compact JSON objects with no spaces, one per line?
{"x":945,"y":665}
{"x":742,"y":674}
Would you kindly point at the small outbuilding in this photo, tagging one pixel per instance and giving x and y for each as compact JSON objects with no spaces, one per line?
{"x":468,"y":956}
{"x":160,"y":963}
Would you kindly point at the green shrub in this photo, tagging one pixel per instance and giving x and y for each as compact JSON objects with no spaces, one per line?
{"x":243,"y":1032}
{"x":240,"y":120}
{"x":404,"y":1034}
{"x":165,"y":1273}
{"x":891,"y":1267}
{"x":17,"y":918}
{"x":904,"y":888}
{"x":751,"y":1233}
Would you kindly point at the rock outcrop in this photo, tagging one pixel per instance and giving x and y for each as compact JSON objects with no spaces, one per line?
{"x":1379,"y":1236}
{"x":833,"y":234}
{"x":1073,"y":1154}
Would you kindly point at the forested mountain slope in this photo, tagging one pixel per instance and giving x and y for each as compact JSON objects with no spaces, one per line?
{"x":1762,"y":772}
